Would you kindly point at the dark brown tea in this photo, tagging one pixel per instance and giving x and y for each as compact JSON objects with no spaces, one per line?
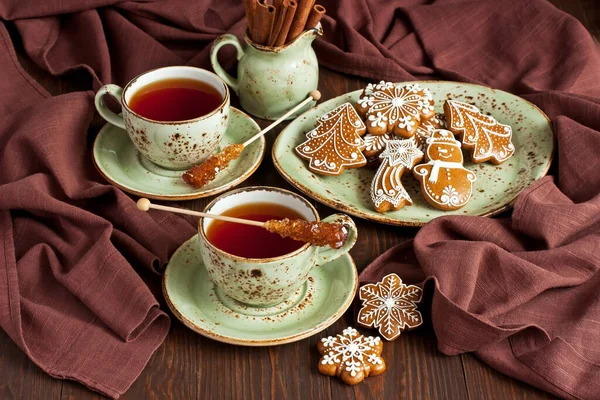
{"x":253,"y":241}
{"x":175,"y":100}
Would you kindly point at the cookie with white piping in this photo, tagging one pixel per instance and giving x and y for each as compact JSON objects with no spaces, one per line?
{"x":351,"y":356}
{"x":426,"y":128}
{"x":387,"y":108}
{"x":485,"y":138}
{"x":336,"y":143}
{"x":445,"y":183}
{"x":387,"y":191}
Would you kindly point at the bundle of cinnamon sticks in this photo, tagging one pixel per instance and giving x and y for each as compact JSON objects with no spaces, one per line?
{"x":282,"y":21}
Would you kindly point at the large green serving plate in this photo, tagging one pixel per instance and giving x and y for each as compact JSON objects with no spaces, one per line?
{"x":495,"y":190}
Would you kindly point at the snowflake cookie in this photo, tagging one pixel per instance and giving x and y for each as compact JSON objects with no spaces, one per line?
{"x":351,"y":356}
{"x":388,"y":108}
{"x":336,"y":143}
{"x":445,"y":183}
{"x":486,"y":138}
{"x":390,"y":305}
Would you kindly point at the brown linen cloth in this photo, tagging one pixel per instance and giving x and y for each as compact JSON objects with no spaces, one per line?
{"x":69,"y":296}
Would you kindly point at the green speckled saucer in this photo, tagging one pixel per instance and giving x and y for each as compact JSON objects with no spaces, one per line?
{"x":495,"y":190}
{"x":202,"y":307}
{"x":121,"y":164}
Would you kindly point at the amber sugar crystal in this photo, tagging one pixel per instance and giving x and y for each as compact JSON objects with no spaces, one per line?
{"x":204,"y":173}
{"x":316,"y":233}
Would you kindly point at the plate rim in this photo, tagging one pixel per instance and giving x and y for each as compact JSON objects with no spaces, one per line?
{"x":394,"y":221}
{"x":191,"y":196}
{"x":260,"y":342}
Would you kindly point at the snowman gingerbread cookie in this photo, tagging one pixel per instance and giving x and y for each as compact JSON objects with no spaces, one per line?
{"x":388,"y":108}
{"x":445,"y":183}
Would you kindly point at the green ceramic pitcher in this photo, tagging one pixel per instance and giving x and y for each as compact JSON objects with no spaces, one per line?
{"x":271,"y":80}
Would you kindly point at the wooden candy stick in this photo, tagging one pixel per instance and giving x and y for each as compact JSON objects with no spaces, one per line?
{"x":316,"y":233}
{"x":315,"y":16}
{"x":291,"y":7}
{"x":205,"y":172}
{"x":300,"y":18}
{"x":145,"y":204}
{"x":263,"y":22}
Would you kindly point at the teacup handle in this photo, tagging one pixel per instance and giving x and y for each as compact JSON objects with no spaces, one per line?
{"x":116,"y":92}
{"x":326,"y":253}
{"x":220,"y":42}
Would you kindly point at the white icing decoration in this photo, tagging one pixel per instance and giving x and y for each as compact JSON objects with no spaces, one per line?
{"x":401,"y":152}
{"x":456,"y":174}
{"x":349,"y":331}
{"x":335,"y":143}
{"x":351,"y":350}
{"x":390,"y":305}
{"x":376,"y":143}
{"x":449,"y":196}
{"x":489,"y":138}
{"x":387,"y":184}
{"x":388,"y":105}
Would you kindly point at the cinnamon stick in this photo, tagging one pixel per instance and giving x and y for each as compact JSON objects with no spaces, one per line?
{"x":291,"y":7}
{"x":302,"y":12}
{"x":315,"y":16}
{"x":263,"y":22}
{"x":279,"y":19}
{"x":250,"y":7}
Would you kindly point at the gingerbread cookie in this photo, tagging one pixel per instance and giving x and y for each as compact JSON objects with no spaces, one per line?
{"x":486,"y":138}
{"x":335,"y":144}
{"x":390,"y":305}
{"x":351,"y":356}
{"x":391,"y":109}
{"x":387,"y":191}
{"x":426,"y":128}
{"x":445,"y":183}
{"x":375,"y":144}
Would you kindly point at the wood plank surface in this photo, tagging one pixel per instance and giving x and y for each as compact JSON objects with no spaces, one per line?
{"x":189,"y":366}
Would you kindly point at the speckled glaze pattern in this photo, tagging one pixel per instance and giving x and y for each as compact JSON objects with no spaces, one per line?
{"x":271,"y":80}
{"x":121,"y":164}
{"x":199,"y":304}
{"x":175,"y":145}
{"x":495,"y":190}
{"x":266,"y":282}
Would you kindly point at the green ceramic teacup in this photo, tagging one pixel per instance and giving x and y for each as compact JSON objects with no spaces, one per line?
{"x":263,"y":282}
{"x":175,"y":145}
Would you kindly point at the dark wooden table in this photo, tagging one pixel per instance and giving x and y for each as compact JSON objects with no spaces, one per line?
{"x":189,"y":366}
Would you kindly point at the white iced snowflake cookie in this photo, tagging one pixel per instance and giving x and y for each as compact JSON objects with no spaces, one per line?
{"x":390,"y":305}
{"x":351,"y":356}
{"x":387,"y":191}
{"x":387,"y":108}
{"x":445,"y":183}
